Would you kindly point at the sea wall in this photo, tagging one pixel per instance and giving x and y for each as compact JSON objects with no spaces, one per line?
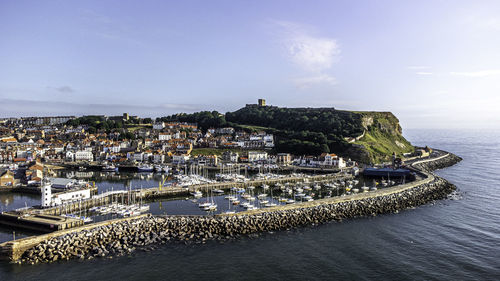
{"x":445,"y":160}
{"x":124,"y":236}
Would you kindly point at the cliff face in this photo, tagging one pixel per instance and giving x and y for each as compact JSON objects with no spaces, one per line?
{"x":383,"y":136}
{"x":367,"y":137}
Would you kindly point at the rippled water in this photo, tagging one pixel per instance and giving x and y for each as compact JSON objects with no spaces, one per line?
{"x":447,"y":240}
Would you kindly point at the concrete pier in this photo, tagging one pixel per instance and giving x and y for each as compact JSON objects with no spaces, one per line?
{"x":38,"y":222}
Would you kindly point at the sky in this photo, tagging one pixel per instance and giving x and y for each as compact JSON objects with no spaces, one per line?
{"x":434,"y":64}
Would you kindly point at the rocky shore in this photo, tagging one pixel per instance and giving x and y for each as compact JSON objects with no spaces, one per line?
{"x":124,"y":237}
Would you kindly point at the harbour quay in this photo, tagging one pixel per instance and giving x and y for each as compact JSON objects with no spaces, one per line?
{"x":38,"y":222}
{"x":123,"y":236}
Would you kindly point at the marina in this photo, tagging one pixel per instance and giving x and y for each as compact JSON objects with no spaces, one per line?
{"x":202,"y":196}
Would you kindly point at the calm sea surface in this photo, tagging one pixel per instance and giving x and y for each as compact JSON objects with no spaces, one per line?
{"x":448,"y":240}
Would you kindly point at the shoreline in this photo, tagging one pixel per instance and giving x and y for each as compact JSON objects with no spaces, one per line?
{"x":124,"y":236}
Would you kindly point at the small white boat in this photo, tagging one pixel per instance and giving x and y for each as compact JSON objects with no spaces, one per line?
{"x":245,"y":204}
{"x":365,"y":188}
{"x":197,"y":194}
{"x":290,"y":201}
{"x":211,"y":207}
{"x":246,"y":196}
{"x":87,"y":219}
{"x":145,"y":168}
{"x":270,"y":204}
{"x":204,"y":204}
{"x":109,"y":168}
{"x":355,"y":190}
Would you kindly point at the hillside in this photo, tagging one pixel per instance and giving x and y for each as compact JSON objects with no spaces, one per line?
{"x":382,"y":136}
{"x":363,"y":136}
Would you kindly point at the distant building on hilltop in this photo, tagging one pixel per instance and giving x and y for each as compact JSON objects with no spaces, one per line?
{"x":262,"y":102}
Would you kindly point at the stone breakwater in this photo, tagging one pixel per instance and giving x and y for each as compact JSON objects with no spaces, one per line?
{"x":430,"y":165}
{"x":123,"y":237}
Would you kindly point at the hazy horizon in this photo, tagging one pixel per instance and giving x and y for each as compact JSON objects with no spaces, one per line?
{"x":434,"y":64}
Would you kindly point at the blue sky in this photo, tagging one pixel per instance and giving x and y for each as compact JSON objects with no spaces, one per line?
{"x":435,"y":64}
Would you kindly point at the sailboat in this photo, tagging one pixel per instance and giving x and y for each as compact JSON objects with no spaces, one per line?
{"x":205,"y":204}
{"x":143,"y":208}
{"x":229,"y":211}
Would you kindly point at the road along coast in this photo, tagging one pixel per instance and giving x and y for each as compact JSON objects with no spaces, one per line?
{"x":123,"y":236}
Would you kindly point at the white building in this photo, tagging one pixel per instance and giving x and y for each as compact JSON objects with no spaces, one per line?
{"x":180,"y":159}
{"x":268,"y":140}
{"x":158,"y":158}
{"x":138,"y":156}
{"x":47,"y":195}
{"x":254,"y":156}
{"x":158,"y":126}
{"x":333,"y":160}
{"x":84,"y":155}
{"x":70,"y":156}
{"x":115,"y":148}
{"x":50,"y":200}
{"x":164,"y":136}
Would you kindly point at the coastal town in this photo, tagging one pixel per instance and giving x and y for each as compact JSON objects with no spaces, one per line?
{"x":30,"y":148}
{"x":94,"y":170}
{"x":249,"y":140}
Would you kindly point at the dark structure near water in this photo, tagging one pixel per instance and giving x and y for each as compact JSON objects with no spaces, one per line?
{"x":386,"y":172}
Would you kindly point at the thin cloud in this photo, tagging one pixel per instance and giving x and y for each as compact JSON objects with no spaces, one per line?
{"x":110,"y":29}
{"x":312,"y":54}
{"x":481,"y":73}
{"x":306,"y":82}
{"x":93,"y":16}
{"x":418,"y":67}
{"x":63,"y":89}
{"x":424,"y":73}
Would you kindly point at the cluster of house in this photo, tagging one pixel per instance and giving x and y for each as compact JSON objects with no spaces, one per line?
{"x":50,"y":140}
{"x":29,"y":173}
{"x":29,"y":139}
